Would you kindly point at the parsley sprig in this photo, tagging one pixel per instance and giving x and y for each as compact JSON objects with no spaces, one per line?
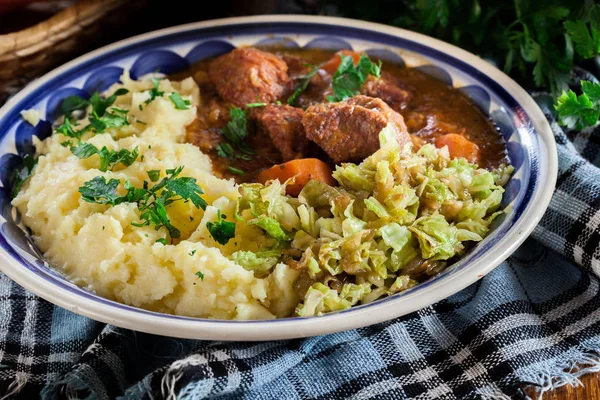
{"x":179,"y":102}
{"x":221,"y":230}
{"x":108,"y":158}
{"x":102,"y":116}
{"x":304,"y":81}
{"x":579,"y":111}
{"x":235,"y":132}
{"x":154,"y":92}
{"x":348,"y":78}
{"x":151,"y":201}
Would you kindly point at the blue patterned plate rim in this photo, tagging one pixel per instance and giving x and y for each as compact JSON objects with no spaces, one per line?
{"x":489,"y":254}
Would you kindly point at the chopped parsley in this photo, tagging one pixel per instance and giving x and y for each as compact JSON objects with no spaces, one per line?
{"x":154,"y":92}
{"x":100,"y":105}
{"x":73,"y":103}
{"x":23,"y":173}
{"x":579,"y":111}
{"x":151,"y":201}
{"x":100,"y":191}
{"x":254,"y":105}
{"x":108,"y":158}
{"x":67,"y":129}
{"x":235,"y":132}
{"x":225,"y":150}
{"x":162,"y":241}
{"x":154,"y":175}
{"x":236,"y":171}
{"x":102,"y":116}
{"x":236,"y":129}
{"x":200,"y":275}
{"x":221,"y":231}
{"x":179,"y":102}
{"x":191,"y":253}
{"x":304,"y":81}
{"x":348,"y":78}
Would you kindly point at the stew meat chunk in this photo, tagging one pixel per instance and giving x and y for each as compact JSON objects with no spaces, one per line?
{"x":248,"y":75}
{"x":349,"y":130}
{"x":388,"y":89}
{"x":283,"y":124}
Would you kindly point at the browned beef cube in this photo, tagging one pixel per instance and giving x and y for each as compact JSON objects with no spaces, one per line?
{"x":349,"y":130}
{"x":248,"y":75}
{"x":284,"y":126}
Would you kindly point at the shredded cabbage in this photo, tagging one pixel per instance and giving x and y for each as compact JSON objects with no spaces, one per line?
{"x":394,"y":219}
{"x":259,"y":262}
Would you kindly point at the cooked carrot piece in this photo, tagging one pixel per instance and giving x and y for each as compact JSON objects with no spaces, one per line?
{"x":333,"y":63}
{"x":301,"y":170}
{"x":459,"y":146}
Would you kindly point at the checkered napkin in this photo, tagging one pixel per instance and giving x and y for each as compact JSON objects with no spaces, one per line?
{"x":535,"y":320}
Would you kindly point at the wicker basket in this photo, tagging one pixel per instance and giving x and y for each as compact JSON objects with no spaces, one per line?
{"x":26,"y":54}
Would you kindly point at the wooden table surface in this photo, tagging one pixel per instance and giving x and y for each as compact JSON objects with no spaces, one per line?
{"x":589,"y":391}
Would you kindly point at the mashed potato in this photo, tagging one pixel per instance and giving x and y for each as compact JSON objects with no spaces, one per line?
{"x":97,"y":246}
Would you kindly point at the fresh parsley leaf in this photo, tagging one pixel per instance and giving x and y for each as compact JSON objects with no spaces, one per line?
{"x":66,"y":143}
{"x":221,"y":231}
{"x":98,"y":190}
{"x":154,"y":175}
{"x":73,"y":103}
{"x":592,"y":90}
{"x":236,"y":171}
{"x":66,"y":129}
{"x":108,"y":120}
{"x":84,"y":150}
{"x":23,"y":173}
{"x":579,"y":111}
{"x":200,"y":275}
{"x":123,"y":156}
{"x":155,"y":213}
{"x":100,"y":105}
{"x":162,"y":241}
{"x":108,"y":158}
{"x":236,"y":129}
{"x":179,"y":102}
{"x":225,"y":150}
{"x":188,"y":189}
{"x":304,"y":81}
{"x":154,"y":92}
{"x":434,"y":12}
{"x":586,"y":37}
{"x":254,"y":105}
{"x":348,"y":78}
{"x":235,"y":132}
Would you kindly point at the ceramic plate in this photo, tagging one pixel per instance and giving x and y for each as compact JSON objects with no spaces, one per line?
{"x":531,"y":149}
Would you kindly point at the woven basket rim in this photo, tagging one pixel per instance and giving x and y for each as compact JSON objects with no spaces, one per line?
{"x":42,"y":34}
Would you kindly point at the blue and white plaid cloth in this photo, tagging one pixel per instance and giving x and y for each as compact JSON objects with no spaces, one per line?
{"x":535,"y":320}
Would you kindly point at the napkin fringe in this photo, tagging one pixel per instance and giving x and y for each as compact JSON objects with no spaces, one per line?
{"x":565,"y":370}
{"x":17,"y":385}
{"x":69,"y":387}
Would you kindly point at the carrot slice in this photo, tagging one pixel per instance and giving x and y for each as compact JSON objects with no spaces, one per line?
{"x":333,"y":63}
{"x":459,"y":146}
{"x":301,"y":170}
